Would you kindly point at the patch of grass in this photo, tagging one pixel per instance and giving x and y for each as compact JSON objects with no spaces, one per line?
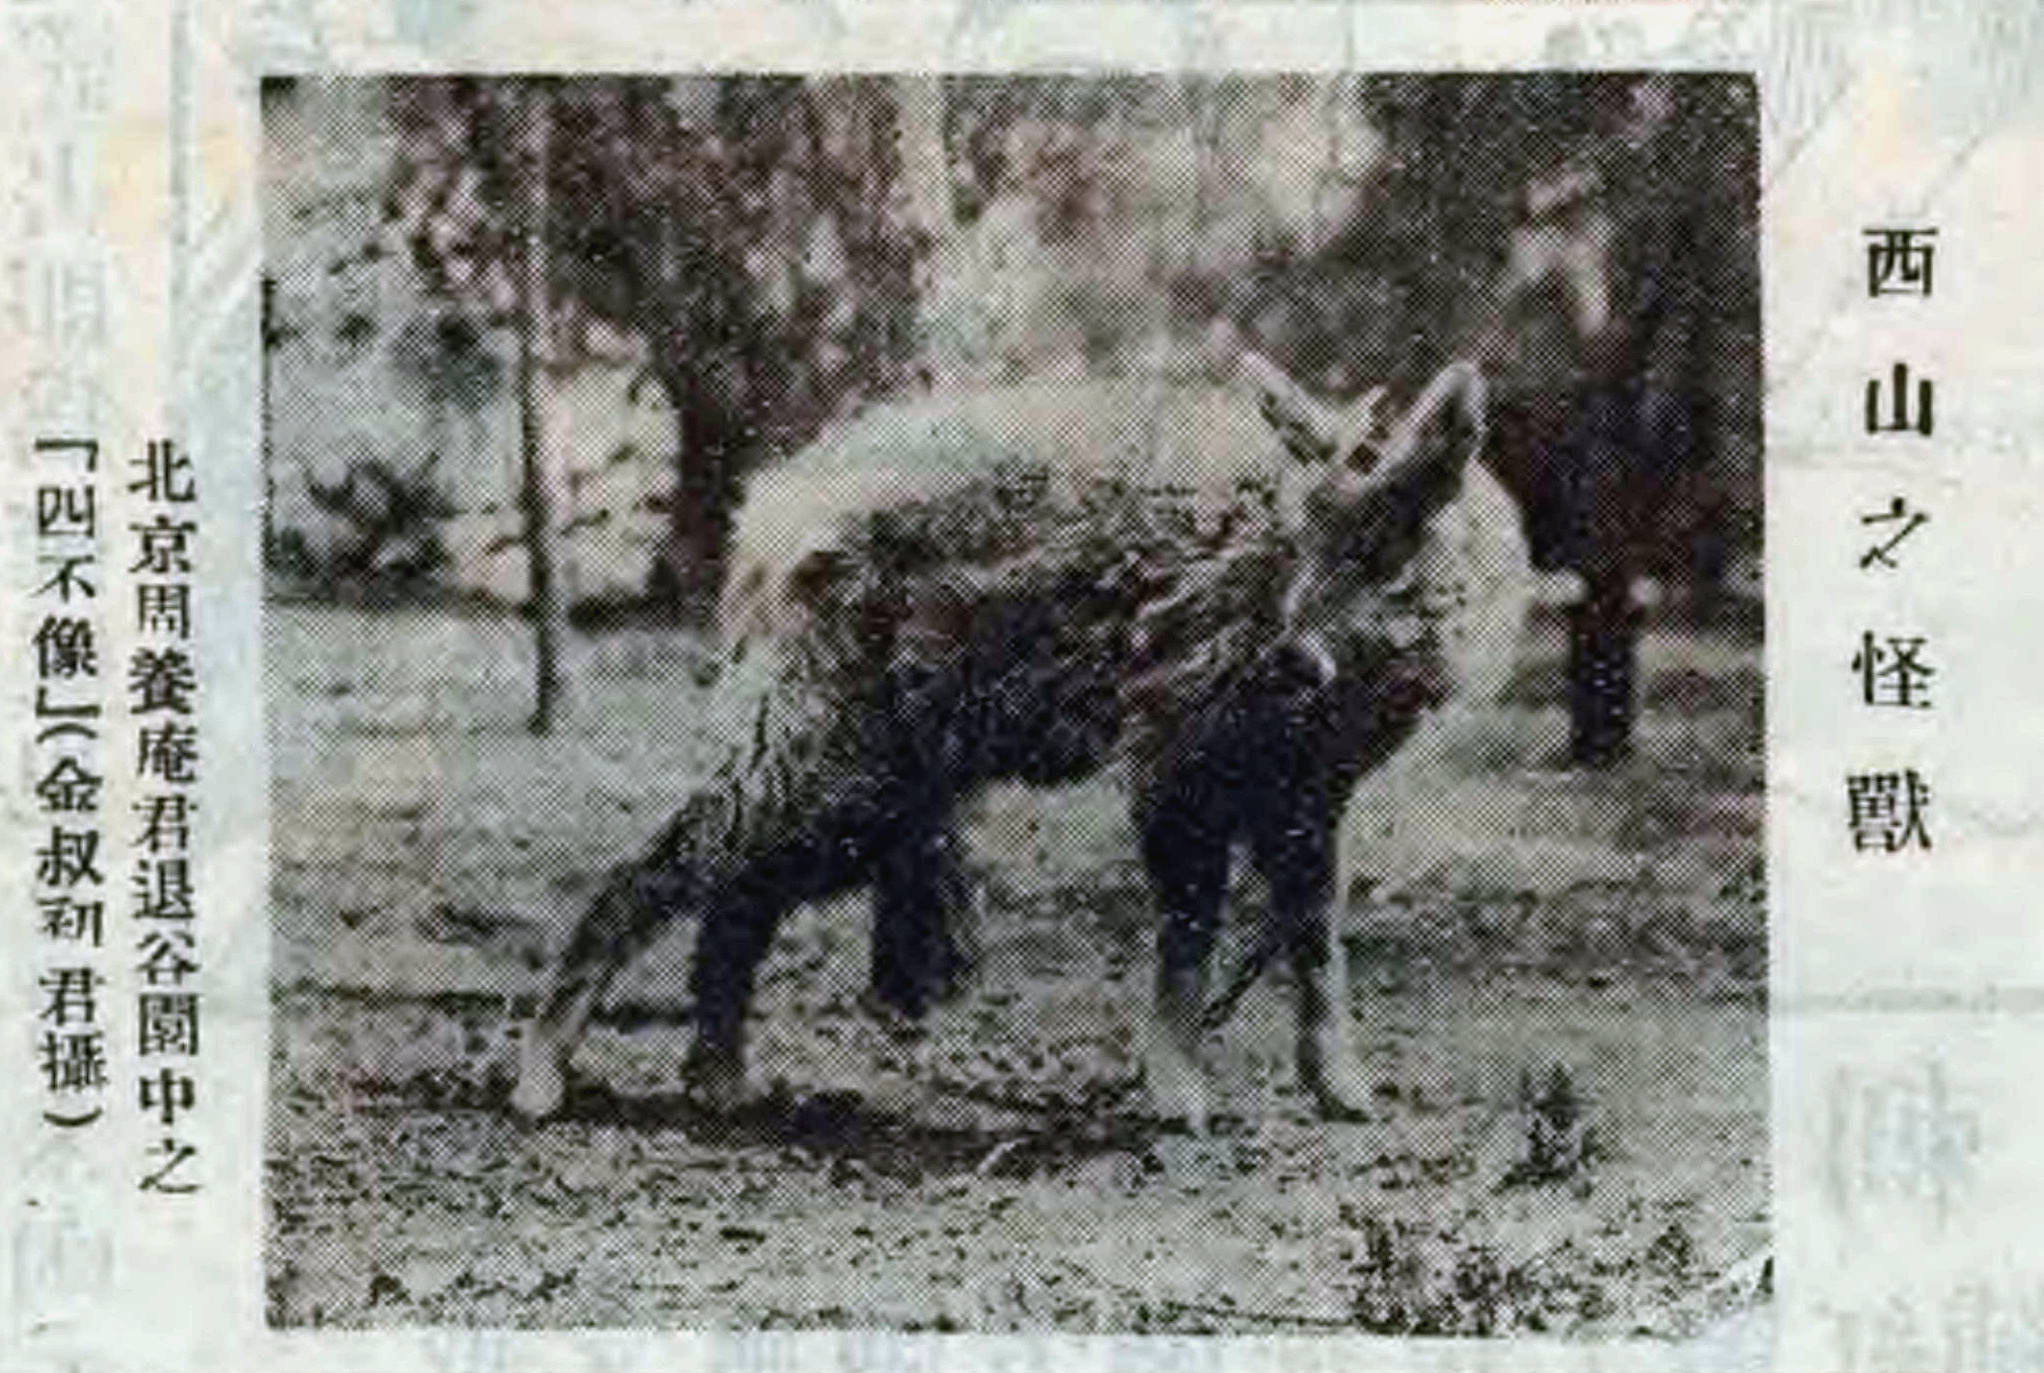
{"x":1560,"y":988}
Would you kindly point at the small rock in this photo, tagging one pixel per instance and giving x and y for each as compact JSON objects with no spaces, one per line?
{"x":385,"y":1288}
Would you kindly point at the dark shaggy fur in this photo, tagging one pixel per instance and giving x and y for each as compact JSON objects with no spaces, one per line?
{"x":1021,"y":585}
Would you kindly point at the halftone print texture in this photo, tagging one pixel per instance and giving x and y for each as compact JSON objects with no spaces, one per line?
{"x":1016,"y":704}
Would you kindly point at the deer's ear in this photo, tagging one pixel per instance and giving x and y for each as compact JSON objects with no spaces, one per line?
{"x":1447,"y":419}
{"x":1462,"y":422}
{"x":1300,"y":437}
{"x":1310,"y":431}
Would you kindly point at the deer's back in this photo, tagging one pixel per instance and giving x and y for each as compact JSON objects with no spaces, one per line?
{"x":995,"y":481}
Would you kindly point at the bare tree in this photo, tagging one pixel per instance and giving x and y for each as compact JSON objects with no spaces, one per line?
{"x":925,"y":161}
{"x":744,"y":231}
{"x":539,"y":473}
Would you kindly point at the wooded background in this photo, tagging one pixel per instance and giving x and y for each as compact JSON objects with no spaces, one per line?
{"x":583,"y":310}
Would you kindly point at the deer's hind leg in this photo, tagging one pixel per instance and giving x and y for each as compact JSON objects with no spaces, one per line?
{"x":922,"y":894}
{"x":633,"y":904}
{"x":735,"y":936}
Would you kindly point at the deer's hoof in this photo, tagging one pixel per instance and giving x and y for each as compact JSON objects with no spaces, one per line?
{"x":1337,"y":1083}
{"x":542,"y":1087}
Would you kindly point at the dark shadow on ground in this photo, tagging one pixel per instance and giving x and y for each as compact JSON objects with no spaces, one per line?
{"x":846,"y":1126}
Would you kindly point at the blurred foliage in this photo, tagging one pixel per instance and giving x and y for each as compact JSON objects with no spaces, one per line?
{"x":741,"y":237}
{"x":392,"y":545}
{"x":770,"y":253}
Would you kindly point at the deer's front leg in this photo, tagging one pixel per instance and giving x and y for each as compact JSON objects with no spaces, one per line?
{"x":1187,"y":859}
{"x":1297,"y":857}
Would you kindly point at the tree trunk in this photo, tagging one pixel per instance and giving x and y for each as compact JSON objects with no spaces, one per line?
{"x":539,"y":476}
{"x":925,"y":194}
{"x":707,"y":442}
{"x":925,"y":165}
{"x":267,"y":326}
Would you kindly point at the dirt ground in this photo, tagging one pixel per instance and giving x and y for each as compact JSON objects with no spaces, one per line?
{"x":1561,"y":987}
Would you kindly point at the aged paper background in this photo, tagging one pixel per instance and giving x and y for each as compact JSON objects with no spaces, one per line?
{"x":1905,"y":998}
